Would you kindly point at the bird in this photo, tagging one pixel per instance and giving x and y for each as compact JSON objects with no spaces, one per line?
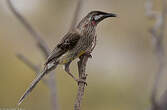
{"x":78,"y":41}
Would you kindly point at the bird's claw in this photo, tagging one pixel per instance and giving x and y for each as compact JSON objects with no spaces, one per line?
{"x":81,"y":81}
{"x":88,"y":54}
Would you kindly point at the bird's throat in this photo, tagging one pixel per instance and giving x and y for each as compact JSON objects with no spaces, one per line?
{"x":94,"y":23}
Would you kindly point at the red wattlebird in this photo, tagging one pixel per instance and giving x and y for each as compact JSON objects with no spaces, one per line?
{"x":78,"y":41}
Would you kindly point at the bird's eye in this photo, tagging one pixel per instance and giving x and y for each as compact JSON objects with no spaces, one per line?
{"x":97,"y":17}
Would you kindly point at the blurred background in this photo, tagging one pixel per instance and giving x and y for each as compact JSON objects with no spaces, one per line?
{"x":120,"y":74}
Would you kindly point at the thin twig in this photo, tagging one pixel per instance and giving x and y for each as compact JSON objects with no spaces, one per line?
{"x":40,"y":42}
{"x":76,"y":13}
{"x":157,"y":32}
{"x":82,"y":76}
{"x":43,"y":49}
{"x":27,"y":62}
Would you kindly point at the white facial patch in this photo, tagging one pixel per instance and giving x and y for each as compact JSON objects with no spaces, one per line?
{"x":97,"y":17}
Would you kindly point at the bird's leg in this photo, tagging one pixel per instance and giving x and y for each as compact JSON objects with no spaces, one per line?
{"x":67,"y":69}
{"x":88,"y":54}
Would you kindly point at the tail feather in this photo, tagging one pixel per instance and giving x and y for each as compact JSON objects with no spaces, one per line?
{"x":33,"y":84}
{"x":49,"y":67}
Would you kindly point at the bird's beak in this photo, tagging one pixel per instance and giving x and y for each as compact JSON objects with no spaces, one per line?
{"x":106,"y":15}
{"x":109,"y":15}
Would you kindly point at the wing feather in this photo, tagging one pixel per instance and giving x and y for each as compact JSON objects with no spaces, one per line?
{"x":68,"y":42}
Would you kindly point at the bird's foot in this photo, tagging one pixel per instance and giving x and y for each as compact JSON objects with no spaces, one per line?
{"x":81,"y":81}
{"x":88,"y":54}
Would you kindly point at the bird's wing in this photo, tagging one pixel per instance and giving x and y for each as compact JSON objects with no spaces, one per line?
{"x":68,"y":42}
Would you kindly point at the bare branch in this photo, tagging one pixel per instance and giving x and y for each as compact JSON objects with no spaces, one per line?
{"x":82,"y":76}
{"x":43,"y":49}
{"x":40,"y":42}
{"x":157,"y":32}
{"x":30,"y":65}
{"x":76,"y":13}
{"x":28,"y":62}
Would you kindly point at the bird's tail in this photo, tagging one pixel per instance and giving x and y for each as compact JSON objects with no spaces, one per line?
{"x":34,"y":83}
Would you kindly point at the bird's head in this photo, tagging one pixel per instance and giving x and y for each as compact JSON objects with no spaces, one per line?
{"x":94,"y":17}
